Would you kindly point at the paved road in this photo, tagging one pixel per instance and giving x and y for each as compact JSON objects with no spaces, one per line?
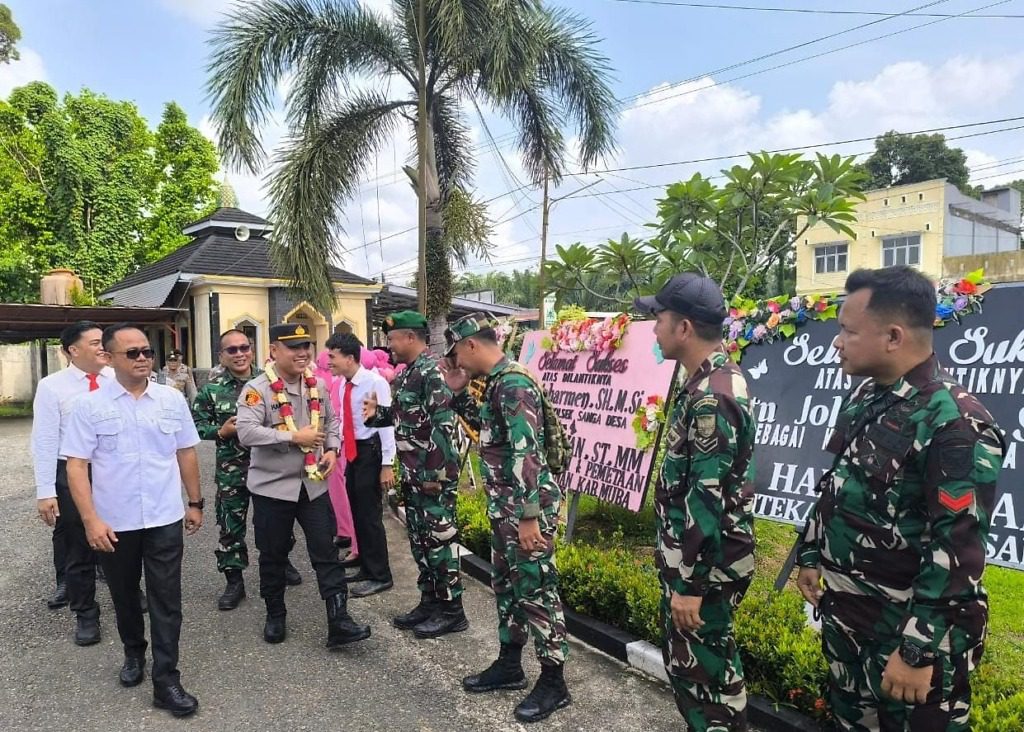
{"x":390,"y":682}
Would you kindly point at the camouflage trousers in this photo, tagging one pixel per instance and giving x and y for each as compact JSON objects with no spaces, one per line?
{"x":704,"y":666}
{"x":526,"y":590}
{"x":232,"y":507}
{"x":857,"y":641}
{"x":430,"y":522}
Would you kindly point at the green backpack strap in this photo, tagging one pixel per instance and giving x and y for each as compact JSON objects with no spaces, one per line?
{"x":557,"y":447}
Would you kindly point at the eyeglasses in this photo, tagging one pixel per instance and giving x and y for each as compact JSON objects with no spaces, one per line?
{"x":133,"y":354}
{"x":234,"y":350}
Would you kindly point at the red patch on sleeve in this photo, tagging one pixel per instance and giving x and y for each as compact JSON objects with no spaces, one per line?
{"x":956,"y":504}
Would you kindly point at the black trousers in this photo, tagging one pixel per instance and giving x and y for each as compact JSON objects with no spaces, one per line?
{"x":158,"y":551}
{"x":362,"y":482}
{"x":273,"y":521}
{"x":78,"y":558}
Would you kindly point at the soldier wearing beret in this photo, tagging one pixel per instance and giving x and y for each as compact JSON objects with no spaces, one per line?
{"x":522,"y":504}
{"x":895,"y":547}
{"x":288,"y":423}
{"x":704,"y":502}
{"x":424,"y":422}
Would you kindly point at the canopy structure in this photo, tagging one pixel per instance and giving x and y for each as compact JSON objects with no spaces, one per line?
{"x":20,"y":322}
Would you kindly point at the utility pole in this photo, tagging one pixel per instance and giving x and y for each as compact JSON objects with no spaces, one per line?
{"x":421,"y":154}
{"x":543,"y":251}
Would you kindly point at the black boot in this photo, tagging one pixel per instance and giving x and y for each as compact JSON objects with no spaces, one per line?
{"x":428,"y":603}
{"x":59,"y":598}
{"x":341,"y":628}
{"x":274,"y":630}
{"x":448,"y":618}
{"x":291,"y":575}
{"x":174,"y":699}
{"x":234,"y":592}
{"x":505,"y":673}
{"x":548,"y":695}
{"x":87,"y":630}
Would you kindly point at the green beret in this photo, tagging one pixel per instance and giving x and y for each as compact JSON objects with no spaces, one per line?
{"x":406,"y":319}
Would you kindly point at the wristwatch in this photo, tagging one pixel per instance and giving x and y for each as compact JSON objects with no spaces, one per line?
{"x":913,"y":656}
{"x":197,"y":504}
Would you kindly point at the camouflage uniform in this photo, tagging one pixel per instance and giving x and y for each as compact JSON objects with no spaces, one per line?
{"x":899,"y":535}
{"x":704,"y":502}
{"x":519,"y":485}
{"x":215,"y":403}
{"x":424,"y":422}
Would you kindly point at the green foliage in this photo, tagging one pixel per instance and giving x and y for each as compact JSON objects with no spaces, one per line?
{"x":536,"y":65}
{"x":10,"y":34}
{"x":902,"y":159}
{"x":85,"y":185}
{"x":516,"y":288}
{"x":738,"y":233}
{"x":611,"y":577}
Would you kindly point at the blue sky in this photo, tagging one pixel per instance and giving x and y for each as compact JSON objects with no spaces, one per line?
{"x":952,"y":72}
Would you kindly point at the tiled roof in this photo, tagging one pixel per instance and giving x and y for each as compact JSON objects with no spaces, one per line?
{"x":218,"y":254}
{"x":232,"y":215}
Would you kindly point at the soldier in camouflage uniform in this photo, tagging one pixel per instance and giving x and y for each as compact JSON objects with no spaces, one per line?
{"x":424,"y":422}
{"x":213,"y":411}
{"x":522,"y":503}
{"x":895,"y":547}
{"x":704,"y":502}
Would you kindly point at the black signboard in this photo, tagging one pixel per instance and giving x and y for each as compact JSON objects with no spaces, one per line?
{"x":799,"y":386}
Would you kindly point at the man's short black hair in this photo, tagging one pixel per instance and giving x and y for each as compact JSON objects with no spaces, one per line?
{"x":486,"y":335}
{"x":111,"y":331}
{"x":345,"y":343}
{"x":705,"y":331}
{"x":70,"y":335}
{"x":228,"y":332}
{"x":901,"y":293}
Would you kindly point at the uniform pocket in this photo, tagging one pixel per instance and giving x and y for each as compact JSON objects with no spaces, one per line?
{"x":107,"y":431}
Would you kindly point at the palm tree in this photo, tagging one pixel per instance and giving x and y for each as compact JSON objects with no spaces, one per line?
{"x":537,"y":66}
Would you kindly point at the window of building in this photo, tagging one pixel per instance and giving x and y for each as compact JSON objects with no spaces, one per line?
{"x":830,"y":257}
{"x":901,"y":250}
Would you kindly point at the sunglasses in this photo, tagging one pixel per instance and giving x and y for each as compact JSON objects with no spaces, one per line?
{"x":133,"y":353}
{"x":234,"y":350}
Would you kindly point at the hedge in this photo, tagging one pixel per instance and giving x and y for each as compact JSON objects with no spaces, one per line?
{"x":782,"y":657}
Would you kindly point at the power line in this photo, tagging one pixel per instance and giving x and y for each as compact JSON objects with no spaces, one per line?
{"x":811,"y":11}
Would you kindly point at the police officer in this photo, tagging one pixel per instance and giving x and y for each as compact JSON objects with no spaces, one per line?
{"x":285,"y":417}
{"x":214,"y":412}
{"x":704,"y":503}
{"x":424,"y":423}
{"x":898,"y":535}
{"x":522,"y":503}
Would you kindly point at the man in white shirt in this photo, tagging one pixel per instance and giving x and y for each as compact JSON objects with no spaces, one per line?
{"x":370,"y":457}
{"x":140,"y":440}
{"x":73,"y":558}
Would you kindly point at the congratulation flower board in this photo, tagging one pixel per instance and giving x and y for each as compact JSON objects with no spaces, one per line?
{"x":608,"y":382}
{"x":798,"y":386}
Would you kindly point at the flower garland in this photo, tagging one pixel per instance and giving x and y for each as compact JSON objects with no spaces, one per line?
{"x":646,"y":421}
{"x":288,"y":413}
{"x":767,"y":321}
{"x":575,"y":331}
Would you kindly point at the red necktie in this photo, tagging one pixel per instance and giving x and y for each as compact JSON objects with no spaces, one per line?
{"x":94,"y":384}
{"x":348,"y":427}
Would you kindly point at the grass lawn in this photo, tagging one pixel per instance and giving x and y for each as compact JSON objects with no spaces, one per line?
{"x":15,"y":409}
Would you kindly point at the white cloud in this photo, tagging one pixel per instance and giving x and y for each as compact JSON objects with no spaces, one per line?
{"x":203,"y":13}
{"x":28,"y":68}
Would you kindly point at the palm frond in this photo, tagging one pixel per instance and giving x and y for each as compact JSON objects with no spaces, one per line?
{"x":316,"y":172}
{"x":452,"y":143}
{"x":540,"y":134}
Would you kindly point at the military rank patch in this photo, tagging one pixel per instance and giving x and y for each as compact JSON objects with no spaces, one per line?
{"x":956,"y":457}
{"x":252,"y":398}
{"x":705,"y":425}
{"x":956,"y":504}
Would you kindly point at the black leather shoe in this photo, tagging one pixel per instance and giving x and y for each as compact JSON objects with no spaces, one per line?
{"x":342,"y":542}
{"x":291,"y":575}
{"x":351,"y":563}
{"x":341,"y":628}
{"x":369,"y":587}
{"x":175,"y":700}
{"x":132,"y":671}
{"x":448,"y":617}
{"x":87,"y":631}
{"x":234,"y":592}
{"x":59,"y":598}
{"x":275,"y":629}
{"x":548,"y":695}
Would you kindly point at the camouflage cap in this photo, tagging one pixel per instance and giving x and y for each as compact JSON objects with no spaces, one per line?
{"x":464,"y":328}
{"x":406,"y":319}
